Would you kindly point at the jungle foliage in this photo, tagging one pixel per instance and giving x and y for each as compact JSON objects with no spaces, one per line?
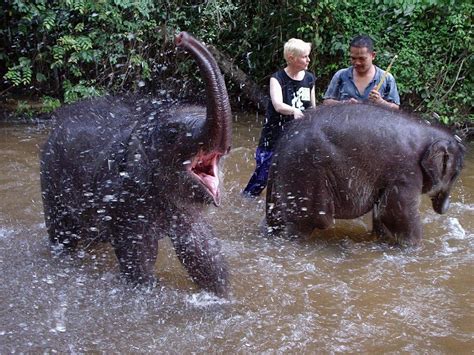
{"x":63,"y":50}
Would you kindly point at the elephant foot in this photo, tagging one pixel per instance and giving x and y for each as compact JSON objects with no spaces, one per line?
{"x":137,"y":259}
{"x":199,"y":251}
{"x":66,"y":242}
{"x":141,"y":282}
{"x":135,"y":276}
{"x":219,"y":287}
{"x":63,"y":229}
{"x":289,"y":231}
{"x":269,"y":231}
{"x":408,"y":242}
{"x":404,"y":240}
{"x":204,"y":264}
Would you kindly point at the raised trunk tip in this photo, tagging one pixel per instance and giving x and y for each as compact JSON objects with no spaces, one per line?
{"x":219,"y":114}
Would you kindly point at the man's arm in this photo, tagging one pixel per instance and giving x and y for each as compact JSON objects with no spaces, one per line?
{"x":336,"y":102}
{"x":332,"y":94}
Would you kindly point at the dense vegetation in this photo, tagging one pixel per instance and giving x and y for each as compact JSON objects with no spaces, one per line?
{"x":61,"y":50}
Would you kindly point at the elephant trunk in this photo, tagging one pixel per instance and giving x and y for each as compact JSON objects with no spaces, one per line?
{"x":219,"y":116}
{"x":441,"y":202}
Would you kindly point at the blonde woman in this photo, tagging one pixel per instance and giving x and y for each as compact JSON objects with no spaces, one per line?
{"x":291,"y":92}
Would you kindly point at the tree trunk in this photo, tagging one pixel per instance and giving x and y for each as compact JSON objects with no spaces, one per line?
{"x":249,"y":88}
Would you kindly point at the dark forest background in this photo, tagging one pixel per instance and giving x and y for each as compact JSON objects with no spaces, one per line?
{"x":59,"y":51}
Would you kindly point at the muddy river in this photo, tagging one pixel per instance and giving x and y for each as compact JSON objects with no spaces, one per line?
{"x":341,"y":292}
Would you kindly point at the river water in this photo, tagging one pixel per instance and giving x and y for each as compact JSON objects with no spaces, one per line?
{"x":342,"y":292}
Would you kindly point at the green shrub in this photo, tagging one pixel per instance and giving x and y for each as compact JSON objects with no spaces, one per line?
{"x":71,"y":49}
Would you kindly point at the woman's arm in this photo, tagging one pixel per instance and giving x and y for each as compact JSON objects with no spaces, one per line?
{"x":276,"y":95}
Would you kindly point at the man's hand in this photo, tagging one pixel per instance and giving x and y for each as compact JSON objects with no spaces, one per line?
{"x":351,"y":101}
{"x":375,"y":97}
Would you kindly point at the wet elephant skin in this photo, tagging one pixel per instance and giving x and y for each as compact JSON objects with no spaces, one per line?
{"x":340,"y":162}
{"x":131,"y":173}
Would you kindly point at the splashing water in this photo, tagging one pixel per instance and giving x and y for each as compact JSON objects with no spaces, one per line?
{"x":341,"y":291}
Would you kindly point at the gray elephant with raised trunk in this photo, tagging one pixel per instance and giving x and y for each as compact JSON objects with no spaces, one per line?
{"x":131,"y":174}
{"x":341,"y":162}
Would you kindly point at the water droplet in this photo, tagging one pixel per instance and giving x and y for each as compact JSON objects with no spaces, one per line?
{"x":108,"y":198}
{"x":60,"y":328}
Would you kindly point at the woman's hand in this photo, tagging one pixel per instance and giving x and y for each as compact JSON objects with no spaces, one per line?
{"x":298,"y":114}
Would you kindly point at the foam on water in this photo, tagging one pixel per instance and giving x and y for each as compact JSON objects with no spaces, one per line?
{"x":455,"y":229}
{"x":205,"y":299}
{"x":6,"y":233}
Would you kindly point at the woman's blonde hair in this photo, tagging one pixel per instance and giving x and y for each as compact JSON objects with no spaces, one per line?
{"x":296,"y":47}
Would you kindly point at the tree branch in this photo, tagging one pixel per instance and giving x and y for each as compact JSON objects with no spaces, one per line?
{"x":248,"y":87}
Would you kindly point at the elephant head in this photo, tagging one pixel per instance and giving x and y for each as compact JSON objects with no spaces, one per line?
{"x":441,"y":163}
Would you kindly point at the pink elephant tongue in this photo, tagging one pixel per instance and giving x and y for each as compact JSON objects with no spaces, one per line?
{"x":211,"y":182}
{"x":204,"y":168}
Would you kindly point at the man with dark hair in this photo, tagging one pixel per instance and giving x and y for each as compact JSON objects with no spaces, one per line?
{"x":358,"y":83}
{"x":362,"y":41}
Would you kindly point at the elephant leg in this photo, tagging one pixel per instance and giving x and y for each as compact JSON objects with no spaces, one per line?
{"x":378,"y":228}
{"x":274,"y":224}
{"x":63,"y":227}
{"x":298,"y":213}
{"x":396,"y":216}
{"x":199,"y":252}
{"x":290,"y":223}
{"x":299,"y":229}
{"x":136,"y":254}
{"x":303,"y":222}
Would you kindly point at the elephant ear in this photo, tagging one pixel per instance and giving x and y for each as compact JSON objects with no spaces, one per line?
{"x":437,"y":161}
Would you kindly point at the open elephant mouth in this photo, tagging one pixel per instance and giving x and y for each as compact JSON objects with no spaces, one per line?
{"x":204,"y":168}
